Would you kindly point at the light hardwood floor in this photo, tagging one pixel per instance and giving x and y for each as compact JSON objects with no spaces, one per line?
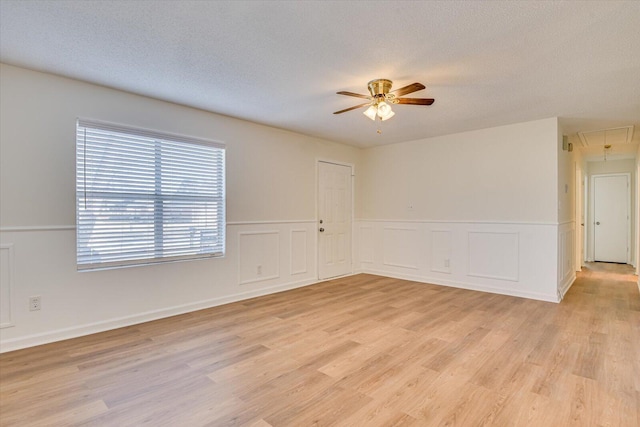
{"x":358,"y":351}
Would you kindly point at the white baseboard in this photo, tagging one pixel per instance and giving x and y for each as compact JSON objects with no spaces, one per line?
{"x":565,"y":286}
{"x":465,"y":285}
{"x":328,"y":279}
{"x":92,"y":328}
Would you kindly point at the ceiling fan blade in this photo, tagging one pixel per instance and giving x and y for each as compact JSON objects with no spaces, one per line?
{"x":415,"y":101}
{"x":352,"y":108}
{"x":357,"y":95}
{"x":413,"y":87}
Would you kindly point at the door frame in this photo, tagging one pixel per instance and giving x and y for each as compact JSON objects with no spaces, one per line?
{"x":591,"y":223}
{"x":637,"y":219}
{"x":317,"y":216}
{"x":579,"y":216}
{"x":587,"y":218}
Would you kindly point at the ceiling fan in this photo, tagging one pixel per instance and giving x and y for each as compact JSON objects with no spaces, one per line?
{"x":382,"y":95}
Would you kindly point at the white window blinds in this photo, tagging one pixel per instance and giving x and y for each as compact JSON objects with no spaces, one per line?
{"x":145,"y":197}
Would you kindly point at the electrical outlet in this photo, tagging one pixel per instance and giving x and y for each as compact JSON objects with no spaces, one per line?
{"x":259,"y":270}
{"x":35,"y":303}
{"x":446,"y":262}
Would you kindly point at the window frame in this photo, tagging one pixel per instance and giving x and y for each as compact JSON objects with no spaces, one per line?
{"x":157,"y":198}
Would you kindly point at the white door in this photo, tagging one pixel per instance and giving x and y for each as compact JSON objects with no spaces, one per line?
{"x":611,"y":213}
{"x":334,"y":220}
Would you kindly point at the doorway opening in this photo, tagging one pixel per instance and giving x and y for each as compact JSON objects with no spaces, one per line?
{"x":610,"y":218}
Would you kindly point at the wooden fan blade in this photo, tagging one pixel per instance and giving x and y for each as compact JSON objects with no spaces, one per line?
{"x":357,"y":95}
{"x":413,"y":87}
{"x":415,"y":101}
{"x":352,"y":108}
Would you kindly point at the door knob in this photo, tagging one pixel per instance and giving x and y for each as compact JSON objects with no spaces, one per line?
{"x":321,"y":229}
{"x":598,"y":223}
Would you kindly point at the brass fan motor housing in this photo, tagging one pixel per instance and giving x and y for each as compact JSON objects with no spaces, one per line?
{"x":379,"y":87}
{"x":380,"y":90}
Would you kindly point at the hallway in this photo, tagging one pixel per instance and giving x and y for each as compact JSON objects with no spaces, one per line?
{"x":606,"y":275}
{"x":604,"y":303}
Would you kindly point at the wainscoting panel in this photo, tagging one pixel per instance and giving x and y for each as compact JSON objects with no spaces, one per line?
{"x":400,"y":248}
{"x":6,"y":285}
{"x":441,"y":251}
{"x":566,"y":252}
{"x":262,"y":257}
{"x":494,"y":255}
{"x":516,"y":259}
{"x":566,"y":257}
{"x":258,"y":256}
{"x":366,"y":244}
{"x":298,"y":251}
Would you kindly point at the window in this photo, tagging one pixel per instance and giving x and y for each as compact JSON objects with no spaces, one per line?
{"x":144,"y":197}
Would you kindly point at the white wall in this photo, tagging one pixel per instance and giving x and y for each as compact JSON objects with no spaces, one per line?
{"x":476,"y":210}
{"x":608,"y":167}
{"x":637,"y":234}
{"x":506,"y":173}
{"x":273,"y":170}
{"x":271,"y":191}
{"x":565,"y":181}
{"x":566,"y":184}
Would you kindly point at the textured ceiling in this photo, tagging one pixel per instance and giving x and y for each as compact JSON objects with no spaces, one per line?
{"x":280,"y":63}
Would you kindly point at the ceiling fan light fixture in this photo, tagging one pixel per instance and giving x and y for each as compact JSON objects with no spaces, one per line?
{"x":371,"y":112}
{"x":380,"y":92}
{"x":387,"y":116}
{"x":384,"y":110}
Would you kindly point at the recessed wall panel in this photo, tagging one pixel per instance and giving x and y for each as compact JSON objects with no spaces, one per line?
{"x":298,"y":251}
{"x":566,"y":252}
{"x":6,"y":283}
{"x":366,"y":244}
{"x":441,"y":251}
{"x":494,"y":255}
{"x":400,"y":247}
{"x":259,"y":256}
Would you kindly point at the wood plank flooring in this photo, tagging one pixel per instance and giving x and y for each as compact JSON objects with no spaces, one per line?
{"x":357,"y":351}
